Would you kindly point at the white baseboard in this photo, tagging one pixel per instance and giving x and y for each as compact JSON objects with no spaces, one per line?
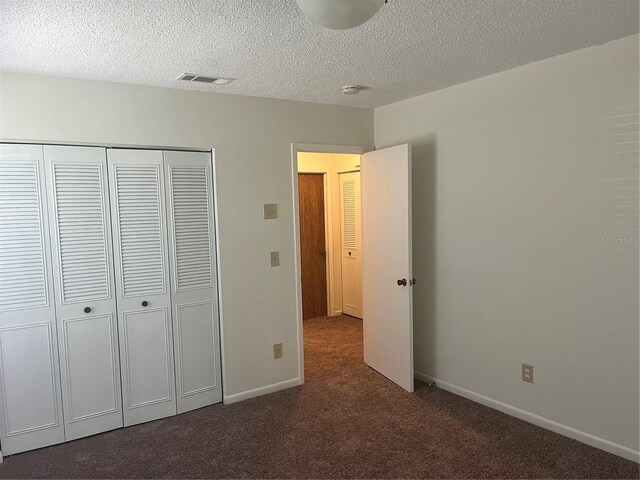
{"x":256,"y":392}
{"x":556,"y":427}
{"x":423,"y":377}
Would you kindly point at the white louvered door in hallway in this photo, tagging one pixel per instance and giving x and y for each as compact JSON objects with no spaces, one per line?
{"x":351,"y":240}
{"x":142,"y":273}
{"x":31,"y":415}
{"x":85,"y":296}
{"x":193,"y":279}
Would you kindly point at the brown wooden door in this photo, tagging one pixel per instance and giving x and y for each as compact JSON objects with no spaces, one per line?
{"x":312,"y":245}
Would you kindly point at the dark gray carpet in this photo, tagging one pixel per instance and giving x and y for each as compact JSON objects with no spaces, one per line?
{"x":347,"y":421}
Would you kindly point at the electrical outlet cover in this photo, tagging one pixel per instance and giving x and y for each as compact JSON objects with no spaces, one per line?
{"x":275,"y":259}
{"x":527,"y":373}
{"x":277,"y":350}
{"x":270,"y":211}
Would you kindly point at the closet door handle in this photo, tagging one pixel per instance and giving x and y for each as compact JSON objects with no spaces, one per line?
{"x":145,"y":303}
{"x":87,"y":309}
{"x":402,"y":282}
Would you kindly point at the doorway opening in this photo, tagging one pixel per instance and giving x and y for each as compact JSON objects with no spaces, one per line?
{"x":330,"y":251}
{"x":345,"y":199}
{"x":330,"y":234}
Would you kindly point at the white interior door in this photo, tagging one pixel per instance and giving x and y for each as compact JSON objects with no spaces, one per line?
{"x":387,"y":263}
{"x":193,"y":278}
{"x":31,"y":403}
{"x":351,"y":240}
{"x":85,"y":297}
{"x":142,"y":279}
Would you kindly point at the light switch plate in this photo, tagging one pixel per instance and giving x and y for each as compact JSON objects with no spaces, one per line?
{"x":527,"y":373}
{"x":275,"y":259}
{"x":270,"y":211}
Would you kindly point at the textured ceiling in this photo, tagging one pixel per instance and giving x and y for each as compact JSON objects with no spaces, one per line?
{"x":409,"y":48}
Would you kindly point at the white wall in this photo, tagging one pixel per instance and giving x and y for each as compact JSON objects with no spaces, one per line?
{"x":332,"y":164}
{"x":526,"y":235}
{"x":252,"y":138}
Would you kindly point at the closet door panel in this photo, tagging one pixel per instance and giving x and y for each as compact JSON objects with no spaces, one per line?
{"x":196,"y":336}
{"x":142,"y":278}
{"x":85,"y":297}
{"x":193,"y":279}
{"x":30,"y":397}
{"x":28,"y":382}
{"x":149,"y":370}
{"x":91,"y":359}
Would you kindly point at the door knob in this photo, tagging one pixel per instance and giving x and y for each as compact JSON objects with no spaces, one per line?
{"x":402,"y":282}
{"x":323,"y":252}
{"x":145,"y":303}
{"x":412,"y":282}
{"x":87,"y":309}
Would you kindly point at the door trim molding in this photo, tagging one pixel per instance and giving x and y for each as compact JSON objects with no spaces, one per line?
{"x":103,"y":145}
{"x":297,"y":147}
{"x":218,"y":283}
{"x":579,"y":435}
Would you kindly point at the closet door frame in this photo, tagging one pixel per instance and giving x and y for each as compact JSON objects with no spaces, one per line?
{"x":218,"y":275}
{"x":216,"y":236}
{"x":215,"y":185}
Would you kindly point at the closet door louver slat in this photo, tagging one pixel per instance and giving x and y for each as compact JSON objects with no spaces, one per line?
{"x":191,"y":227}
{"x":349,"y":213}
{"x":81,"y":231}
{"x":140,"y":229}
{"x":21,"y":241}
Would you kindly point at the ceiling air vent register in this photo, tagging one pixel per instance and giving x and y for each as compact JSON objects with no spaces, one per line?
{"x":190,"y":77}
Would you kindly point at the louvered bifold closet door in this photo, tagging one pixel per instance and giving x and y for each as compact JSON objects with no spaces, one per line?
{"x":142,"y":278}
{"x":85,"y":294}
{"x":30,"y":398}
{"x":351,"y":244}
{"x":193,"y":278}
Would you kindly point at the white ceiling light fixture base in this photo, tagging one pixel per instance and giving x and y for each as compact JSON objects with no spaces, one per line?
{"x":340,"y":14}
{"x":351,"y":89}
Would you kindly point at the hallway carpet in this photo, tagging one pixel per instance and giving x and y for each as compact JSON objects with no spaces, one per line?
{"x":347,"y":421}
